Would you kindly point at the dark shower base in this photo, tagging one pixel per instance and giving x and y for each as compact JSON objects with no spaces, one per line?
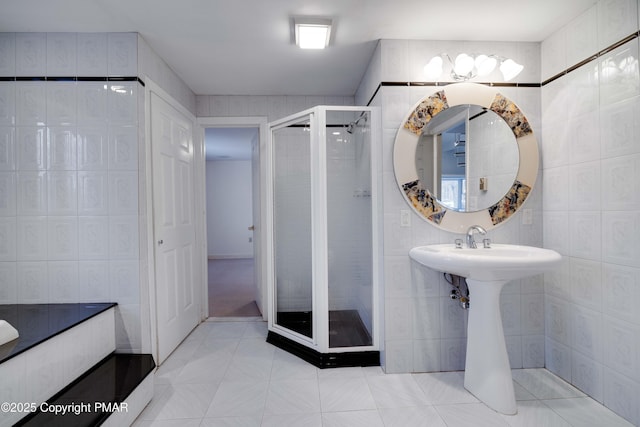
{"x":345,"y":330}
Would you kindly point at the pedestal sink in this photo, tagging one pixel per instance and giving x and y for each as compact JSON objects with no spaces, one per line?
{"x":487,"y":370}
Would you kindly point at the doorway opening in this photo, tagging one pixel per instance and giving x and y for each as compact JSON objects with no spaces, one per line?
{"x":232,"y":175}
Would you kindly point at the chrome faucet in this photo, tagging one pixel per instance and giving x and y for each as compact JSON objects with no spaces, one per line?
{"x":471,"y":243}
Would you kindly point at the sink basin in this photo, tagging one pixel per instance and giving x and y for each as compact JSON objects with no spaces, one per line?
{"x":487,"y":373}
{"x":500,"y":262}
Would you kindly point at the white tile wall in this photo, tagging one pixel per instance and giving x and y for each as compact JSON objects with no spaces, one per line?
{"x":69,"y":172}
{"x":437,"y":326}
{"x":592,"y":327}
{"x":31,"y":54}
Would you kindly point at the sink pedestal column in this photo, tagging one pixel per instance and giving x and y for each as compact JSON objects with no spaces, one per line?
{"x":487,"y":370}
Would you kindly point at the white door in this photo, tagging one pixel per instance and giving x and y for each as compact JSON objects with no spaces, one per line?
{"x":257,"y":231}
{"x":177,"y":307}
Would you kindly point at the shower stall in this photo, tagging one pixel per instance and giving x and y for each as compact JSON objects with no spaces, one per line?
{"x":324,"y":235}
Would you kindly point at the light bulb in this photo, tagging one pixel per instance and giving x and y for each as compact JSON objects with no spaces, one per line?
{"x":485,"y":64}
{"x":509,"y":69}
{"x":433,"y":69}
{"x":463,"y":65}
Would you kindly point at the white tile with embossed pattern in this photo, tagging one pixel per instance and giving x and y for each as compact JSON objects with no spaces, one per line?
{"x":620,"y":233}
{"x":352,"y":419}
{"x":286,"y":366}
{"x":61,"y":54}
{"x":346,"y":394}
{"x":93,"y":277}
{"x":123,"y":54}
{"x":7,"y":103}
{"x":62,"y":148}
{"x":93,"y":193}
{"x":307,"y":420}
{"x":239,"y":398}
{"x":31,"y":54}
{"x":8,"y":196}
{"x":292,"y":397}
{"x":63,"y":281}
{"x":396,"y":391}
{"x":61,"y":104}
{"x":32,"y":238}
{"x":181,"y":401}
{"x":92,"y":54}
{"x":123,"y":148}
{"x":31,"y":106}
{"x":62,"y":238}
{"x":617,"y":174}
{"x":444,"y":388}
{"x":584,"y":411}
{"x":417,"y":416}
{"x":544,"y":385}
{"x":31,"y":148}
{"x":62,"y":193}
{"x":535,"y":413}
{"x":8,"y":54}
{"x":470,"y":414}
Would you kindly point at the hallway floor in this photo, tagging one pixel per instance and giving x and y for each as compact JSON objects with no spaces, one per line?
{"x":225,"y":374}
{"x":232,"y":289}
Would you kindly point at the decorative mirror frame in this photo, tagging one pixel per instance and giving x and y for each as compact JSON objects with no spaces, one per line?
{"x":421,"y":200}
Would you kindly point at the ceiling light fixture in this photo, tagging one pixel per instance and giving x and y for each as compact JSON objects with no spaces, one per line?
{"x":467,"y":66}
{"x":312,"y":33}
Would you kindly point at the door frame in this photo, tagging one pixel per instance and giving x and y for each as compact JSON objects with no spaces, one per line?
{"x":260,"y":251}
{"x":147,"y":246}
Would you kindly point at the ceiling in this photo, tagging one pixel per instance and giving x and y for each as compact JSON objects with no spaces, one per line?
{"x":244,"y":47}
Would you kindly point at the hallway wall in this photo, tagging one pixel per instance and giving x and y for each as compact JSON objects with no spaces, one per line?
{"x":229,"y":209}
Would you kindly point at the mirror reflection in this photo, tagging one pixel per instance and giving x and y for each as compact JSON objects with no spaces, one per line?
{"x":467,"y":157}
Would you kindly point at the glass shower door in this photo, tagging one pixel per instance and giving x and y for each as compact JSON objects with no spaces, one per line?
{"x":292,"y":216}
{"x":349,"y":228}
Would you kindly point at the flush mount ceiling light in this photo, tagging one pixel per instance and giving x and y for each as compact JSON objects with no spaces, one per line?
{"x":467,"y":66}
{"x":312,"y":33}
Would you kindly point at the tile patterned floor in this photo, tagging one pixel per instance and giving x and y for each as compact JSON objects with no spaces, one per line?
{"x":225,"y":375}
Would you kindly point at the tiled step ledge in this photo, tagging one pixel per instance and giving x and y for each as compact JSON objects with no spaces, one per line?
{"x":112,"y":393}
{"x":53,"y":360}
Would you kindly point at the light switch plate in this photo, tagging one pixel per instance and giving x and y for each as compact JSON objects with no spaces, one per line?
{"x":405,"y":218}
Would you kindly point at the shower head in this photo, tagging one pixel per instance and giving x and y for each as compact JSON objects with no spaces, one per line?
{"x":350,"y":127}
{"x":355,"y":123}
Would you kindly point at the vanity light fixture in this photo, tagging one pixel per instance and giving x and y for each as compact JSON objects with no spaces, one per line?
{"x":312,"y":33}
{"x":467,"y":66}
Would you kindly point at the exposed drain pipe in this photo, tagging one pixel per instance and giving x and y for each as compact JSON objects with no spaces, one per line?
{"x":460,"y":290}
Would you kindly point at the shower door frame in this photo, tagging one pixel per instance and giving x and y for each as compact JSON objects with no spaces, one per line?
{"x":319,"y":341}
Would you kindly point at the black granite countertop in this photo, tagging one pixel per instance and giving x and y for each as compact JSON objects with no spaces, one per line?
{"x":39,"y":322}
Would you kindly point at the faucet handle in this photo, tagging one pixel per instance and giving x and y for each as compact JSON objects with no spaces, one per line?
{"x":486,"y":243}
{"x":458,"y":243}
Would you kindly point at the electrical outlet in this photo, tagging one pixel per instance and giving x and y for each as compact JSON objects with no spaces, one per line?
{"x":527,"y":216}
{"x":405,"y":218}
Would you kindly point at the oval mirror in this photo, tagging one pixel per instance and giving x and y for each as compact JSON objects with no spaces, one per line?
{"x":465,"y":155}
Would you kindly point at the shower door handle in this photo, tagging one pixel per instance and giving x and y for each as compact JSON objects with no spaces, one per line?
{"x":251,"y":228}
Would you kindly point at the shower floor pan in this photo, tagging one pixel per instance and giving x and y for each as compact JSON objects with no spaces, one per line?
{"x":346,"y":329}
